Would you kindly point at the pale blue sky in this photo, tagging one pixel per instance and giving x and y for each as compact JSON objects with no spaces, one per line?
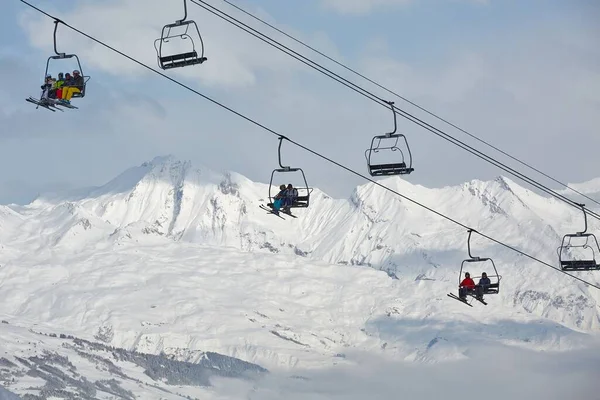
{"x":523,"y":75}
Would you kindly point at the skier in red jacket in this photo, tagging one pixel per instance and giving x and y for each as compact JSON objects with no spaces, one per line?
{"x":465,"y":286}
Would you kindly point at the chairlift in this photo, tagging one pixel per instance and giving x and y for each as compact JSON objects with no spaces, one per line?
{"x":395,"y":168}
{"x":492,"y":288}
{"x":49,"y":103}
{"x":585,"y":263}
{"x":302,"y":200}
{"x":184,"y":59}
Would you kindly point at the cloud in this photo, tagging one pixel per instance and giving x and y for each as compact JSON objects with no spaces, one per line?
{"x":360,"y":6}
{"x":493,"y":373}
{"x":234,"y":57}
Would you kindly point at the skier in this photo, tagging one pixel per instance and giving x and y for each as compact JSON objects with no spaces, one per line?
{"x":465,"y":286}
{"x":58,"y":85}
{"x":279,"y":199}
{"x":291,"y":194}
{"x":47,"y":92}
{"x":71,"y":86}
{"x":484,"y":284}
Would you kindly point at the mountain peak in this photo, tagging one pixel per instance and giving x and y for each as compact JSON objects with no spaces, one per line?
{"x":158,"y":160}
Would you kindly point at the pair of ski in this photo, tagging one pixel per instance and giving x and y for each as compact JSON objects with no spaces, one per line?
{"x":49,"y":105}
{"x":452,"y":295}
{"x":271,"y":211}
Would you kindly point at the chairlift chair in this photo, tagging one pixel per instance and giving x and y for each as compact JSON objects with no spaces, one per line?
{"x":385,"y":169}
{"x":492,"y":288}
{"x":178,"y":60}
{"x":302,"y":201}
{"x":62,"y":56}
{"x":585,"y":264}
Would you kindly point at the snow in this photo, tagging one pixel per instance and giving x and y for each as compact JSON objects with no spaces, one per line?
{"x":172,"y":258}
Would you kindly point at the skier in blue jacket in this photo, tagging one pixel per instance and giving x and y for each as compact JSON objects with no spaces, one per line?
{"x":484,"y":282}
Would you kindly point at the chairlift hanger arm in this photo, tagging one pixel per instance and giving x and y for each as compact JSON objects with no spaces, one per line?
{"x":469,"y":244}
{"x":284,"y":167}
{"x":60,"y":55}
{"x":391,"y":103}
{"x":180,"y":21}
{"x":584,"y":219}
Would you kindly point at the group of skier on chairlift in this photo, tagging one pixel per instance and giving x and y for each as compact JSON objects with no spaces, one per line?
{"x":468,"y":286}
{"x":285,"y":198}
{"x":61,"y":90}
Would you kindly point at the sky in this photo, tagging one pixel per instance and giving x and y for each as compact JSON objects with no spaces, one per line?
{"x":524,"y":76}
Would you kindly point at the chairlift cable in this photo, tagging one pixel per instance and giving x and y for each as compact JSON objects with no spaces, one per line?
{"x":254,"y":122}
{"x":384,"y":103}
{"x":408,"y":101}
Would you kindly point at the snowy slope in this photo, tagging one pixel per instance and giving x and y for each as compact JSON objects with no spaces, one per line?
{"x":168,"y":257}
{"x":50,"y":365}
{"x":169,"y":198}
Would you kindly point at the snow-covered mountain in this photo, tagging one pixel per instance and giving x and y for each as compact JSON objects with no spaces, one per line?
{"x":60,"y":367}
{"x":176,"y":259}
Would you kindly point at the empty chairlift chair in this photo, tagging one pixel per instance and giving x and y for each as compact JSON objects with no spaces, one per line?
{"x":399,"y":165}
{"x":584,"y":261}
{"x":180,"y":59}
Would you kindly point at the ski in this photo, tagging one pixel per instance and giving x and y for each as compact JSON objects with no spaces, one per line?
{"x":453,"y":296}
{"x":48,"y":104}
{"x":40,"y":104}
{"x":289,"y":213}
{"x":481,"y":301}
{"x":53,"y":106}
{"x":281,"y":211}
{"x":58,"y":103}
{"x":270,"y":211}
